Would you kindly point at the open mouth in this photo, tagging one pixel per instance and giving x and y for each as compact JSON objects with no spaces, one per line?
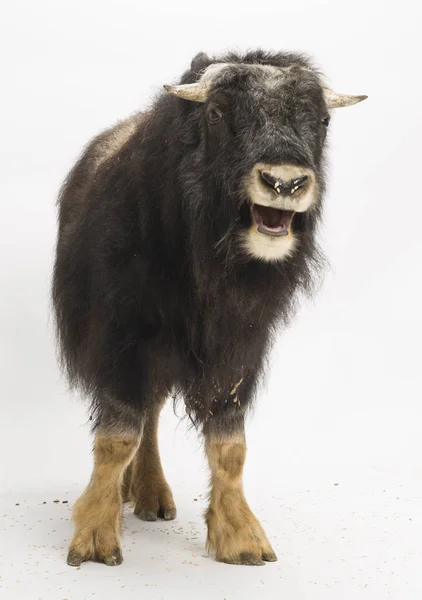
{"x":272,"y":221}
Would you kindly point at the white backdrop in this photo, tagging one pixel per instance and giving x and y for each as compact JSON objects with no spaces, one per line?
{"x":342,"y":402}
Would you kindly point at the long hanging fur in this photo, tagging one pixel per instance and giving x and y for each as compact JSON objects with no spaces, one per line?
{"x":152,"y":294}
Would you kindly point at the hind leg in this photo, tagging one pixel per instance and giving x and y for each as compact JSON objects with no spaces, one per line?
{"x":145,"y":483}
{"x":127,"y":482}
{"x":98,"y":512}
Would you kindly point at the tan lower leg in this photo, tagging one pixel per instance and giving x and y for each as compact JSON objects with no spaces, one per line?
{"x":234,"y":533}
{"x":148,"y":487}
{"x":97,"y":513}
{"x":127,"y":482}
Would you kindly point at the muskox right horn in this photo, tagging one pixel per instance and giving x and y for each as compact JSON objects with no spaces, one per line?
{"x":335,"y":100}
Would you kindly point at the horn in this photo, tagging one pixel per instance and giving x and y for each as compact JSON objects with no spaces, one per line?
{"x":198,"y":92}
{"x":334,"y":100}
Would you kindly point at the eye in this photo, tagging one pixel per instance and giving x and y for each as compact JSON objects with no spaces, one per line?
{"x":326,"y":120}
{"x":214,"y":115}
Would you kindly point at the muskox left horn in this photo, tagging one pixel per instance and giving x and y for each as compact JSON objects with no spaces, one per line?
{"x":334,"y":100}
{"x":198,"y":92}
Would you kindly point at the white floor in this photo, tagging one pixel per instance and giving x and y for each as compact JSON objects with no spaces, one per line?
{"x":351,"y":535}
{"x":334,"y":464}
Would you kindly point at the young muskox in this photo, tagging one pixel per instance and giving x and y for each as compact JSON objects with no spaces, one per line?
{"x":185,"y":234}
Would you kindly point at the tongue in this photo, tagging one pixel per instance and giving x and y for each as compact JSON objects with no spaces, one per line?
{"x":272,"y":219}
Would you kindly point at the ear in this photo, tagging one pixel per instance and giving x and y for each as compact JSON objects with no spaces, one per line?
{"x":200,"y":62}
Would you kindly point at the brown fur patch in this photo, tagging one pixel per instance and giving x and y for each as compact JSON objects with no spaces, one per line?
{"x":97,"y":513}
{"x":145,"y":483}
{"x":234,"y":533}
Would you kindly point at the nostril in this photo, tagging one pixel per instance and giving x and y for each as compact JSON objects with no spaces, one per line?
{"x":281,"y":186}
{"x":297,"y":184}
{"x":300,"y":181}
{"x":271,"y":181}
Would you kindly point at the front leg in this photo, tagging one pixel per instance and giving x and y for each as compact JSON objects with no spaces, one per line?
{"x":98,"y":512}
{"x":234,"y":533}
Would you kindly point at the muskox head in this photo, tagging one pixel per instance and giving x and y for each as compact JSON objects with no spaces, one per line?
{"x":262,"y":127}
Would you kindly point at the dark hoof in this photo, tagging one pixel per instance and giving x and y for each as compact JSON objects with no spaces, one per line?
{"x":269,"y":557}
{"x":146,"y":515}
{"x":249,"y":558}
{"x":114,"y":559}
{"x":74,"y":559}
{"x":168,"y":515}
{"x":245,"y":558}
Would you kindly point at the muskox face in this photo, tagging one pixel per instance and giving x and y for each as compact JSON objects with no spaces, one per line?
{"x":264,"y":129}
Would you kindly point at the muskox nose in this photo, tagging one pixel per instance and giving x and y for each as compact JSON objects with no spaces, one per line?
{"x":283,"y":186}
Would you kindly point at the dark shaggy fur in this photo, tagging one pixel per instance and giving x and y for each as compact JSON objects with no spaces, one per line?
{"x":152,"y":293}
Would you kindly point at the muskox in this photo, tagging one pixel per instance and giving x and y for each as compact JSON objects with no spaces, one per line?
{"x":186,"y":233}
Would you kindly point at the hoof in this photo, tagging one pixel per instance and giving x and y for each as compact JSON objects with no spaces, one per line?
{"x":244,"y":558}
{"x":168,"y":514}
{"x":114,"y":559}
{"x":269,"y":557}
{"x":146,"y":515}
{"x":74,"y":558}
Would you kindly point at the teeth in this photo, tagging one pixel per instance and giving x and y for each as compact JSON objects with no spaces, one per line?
{"x":293,"y":190}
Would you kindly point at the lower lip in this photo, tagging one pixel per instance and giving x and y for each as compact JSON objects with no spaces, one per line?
{"x":276,"y":232}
